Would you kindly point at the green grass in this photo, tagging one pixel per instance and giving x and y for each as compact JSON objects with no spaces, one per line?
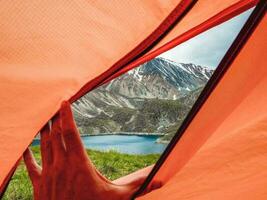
{"x":111,"y":164}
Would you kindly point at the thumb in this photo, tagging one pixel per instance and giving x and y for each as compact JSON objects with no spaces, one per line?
{"x":135,"y":184}
{"x":34,"y":170}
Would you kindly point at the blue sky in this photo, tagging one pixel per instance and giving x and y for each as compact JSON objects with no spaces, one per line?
{"x":208,"y":48}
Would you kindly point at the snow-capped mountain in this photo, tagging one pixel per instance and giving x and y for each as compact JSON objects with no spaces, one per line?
{"x":126,"y":103}
{"x":160,"y":78}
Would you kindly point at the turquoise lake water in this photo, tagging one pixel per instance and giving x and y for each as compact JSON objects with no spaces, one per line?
{"x":123,"y":143}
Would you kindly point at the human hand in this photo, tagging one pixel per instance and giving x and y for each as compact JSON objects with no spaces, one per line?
{"x":67,"y":172}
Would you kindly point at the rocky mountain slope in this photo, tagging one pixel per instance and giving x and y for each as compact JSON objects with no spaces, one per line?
{"x":160,"y":78}
{"x":152,"y":98}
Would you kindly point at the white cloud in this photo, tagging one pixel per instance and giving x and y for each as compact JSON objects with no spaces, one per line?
{"x":209,"y":47}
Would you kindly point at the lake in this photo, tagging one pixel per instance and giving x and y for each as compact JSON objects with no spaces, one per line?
{"x":130,"y":144}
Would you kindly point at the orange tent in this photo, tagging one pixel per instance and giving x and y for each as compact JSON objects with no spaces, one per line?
{"x":56,"y":50}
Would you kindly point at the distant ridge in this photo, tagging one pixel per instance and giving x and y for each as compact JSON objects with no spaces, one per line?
{"x":152,"y":98}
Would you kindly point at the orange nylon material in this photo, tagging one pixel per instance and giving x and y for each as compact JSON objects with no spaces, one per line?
{"x":218,"y":18}
{"x":232,"y":125}
{"x":50,"y":49}
{"x":202,"y":11}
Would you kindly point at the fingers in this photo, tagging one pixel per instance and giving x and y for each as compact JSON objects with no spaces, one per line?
{"x":69,"y":131}
{"x":57,"y":140}
{"x":46,"y":147}
{"x":34,"y":170}
{"x":136,"y":183}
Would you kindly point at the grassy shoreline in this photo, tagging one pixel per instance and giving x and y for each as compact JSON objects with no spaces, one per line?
{"x":111,"y":164}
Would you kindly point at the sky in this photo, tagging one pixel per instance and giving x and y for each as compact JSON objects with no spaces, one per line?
{"x":208,"y":48}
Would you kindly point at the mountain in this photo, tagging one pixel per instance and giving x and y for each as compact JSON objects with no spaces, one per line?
{"x":160,"y":78}
{"x":153,"y":98}
{"x":187,"y":102}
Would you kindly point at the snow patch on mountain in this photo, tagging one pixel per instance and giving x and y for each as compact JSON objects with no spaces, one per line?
{"x":122,"y":98}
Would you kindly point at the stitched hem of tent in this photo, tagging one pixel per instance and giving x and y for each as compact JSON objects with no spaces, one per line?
{"x":224,"y":65}
{"x":217,"y":19}
{"x":169,"y":22}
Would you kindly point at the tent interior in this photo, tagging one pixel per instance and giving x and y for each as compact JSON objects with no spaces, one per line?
{"x":55,"y":51}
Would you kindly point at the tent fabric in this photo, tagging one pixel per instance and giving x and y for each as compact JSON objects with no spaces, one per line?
{"x":181,"y":37}
{"x":50,"y":49}
{"x":202,"y":11}
{"x":176,"y":15}
{"x":223,"y":154}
